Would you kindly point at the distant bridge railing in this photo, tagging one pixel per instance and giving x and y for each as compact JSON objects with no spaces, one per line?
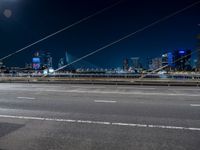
{"x":120,"y":76}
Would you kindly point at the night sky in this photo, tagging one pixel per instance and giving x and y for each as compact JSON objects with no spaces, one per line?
{"x":32,"y":20}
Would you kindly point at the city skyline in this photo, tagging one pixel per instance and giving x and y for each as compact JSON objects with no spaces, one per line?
{"x":175,"y":33}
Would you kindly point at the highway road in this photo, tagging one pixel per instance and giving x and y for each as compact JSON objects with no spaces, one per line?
{"x":98,"y":117}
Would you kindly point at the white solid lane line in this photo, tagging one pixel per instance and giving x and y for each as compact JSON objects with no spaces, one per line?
{"x":195,"y":89}
{"x":104,"y":101}
{"x":117,"y":92}
{"x":195,"y":105}
{"x":124,"y":93}
{"x":101,"y":123}
{"x":26,"y":98}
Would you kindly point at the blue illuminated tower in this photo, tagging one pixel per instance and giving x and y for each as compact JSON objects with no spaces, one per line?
{"x":182,"y":59}
{"x":36,"y":61}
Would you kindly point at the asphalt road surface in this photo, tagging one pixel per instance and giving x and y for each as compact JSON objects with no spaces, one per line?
{"x":98,"y":117}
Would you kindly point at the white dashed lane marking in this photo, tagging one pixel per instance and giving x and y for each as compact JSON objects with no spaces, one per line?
{"x":31,"y":98}
{"x":104,"y":101}
{"x":195,"y":105}
{"x":102,"y":123}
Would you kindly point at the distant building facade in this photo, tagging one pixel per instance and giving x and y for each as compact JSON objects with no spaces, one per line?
{"x":136,"y":62}
{"x":47,"y":60}
{"x":42,"y":60}
{"x":182,"y":60}
{"x":156,"y":63}
{"x":36,"y":60}
{"x":126,"y":64}
{"x":168,"y":61}
{"x":178,"y":60}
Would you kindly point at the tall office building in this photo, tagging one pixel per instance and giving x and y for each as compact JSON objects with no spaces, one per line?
{"x":167,"y":59}
{"x":36,"y":61}
{"x":42,"y":60}
{"x":125,"y":64}
{"x":47,"y":60}
{"x":156,"y":63}
{"x":182,"y":60}
{"x":136,"y":62}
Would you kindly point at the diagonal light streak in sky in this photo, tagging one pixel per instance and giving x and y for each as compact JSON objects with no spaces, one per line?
{"x":63,"y":29}
{"x":131,"y":34}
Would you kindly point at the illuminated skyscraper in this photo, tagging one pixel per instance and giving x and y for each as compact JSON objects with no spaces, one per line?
{"x":42,"y":60}
{"x":168,"y":61}
{"x":182,"y":60}
{"x":136,"y":62}
{"x":125,"y":65}
{"x":47,"y":60}
{"x":36,"y":61}
{"x":156,"y":63}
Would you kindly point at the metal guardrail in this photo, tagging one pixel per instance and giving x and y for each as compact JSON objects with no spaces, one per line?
{"x":120,"y":76}
{"x":105,"y":79}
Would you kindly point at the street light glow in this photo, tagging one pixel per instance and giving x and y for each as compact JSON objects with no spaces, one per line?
{"x":7,"y":13}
